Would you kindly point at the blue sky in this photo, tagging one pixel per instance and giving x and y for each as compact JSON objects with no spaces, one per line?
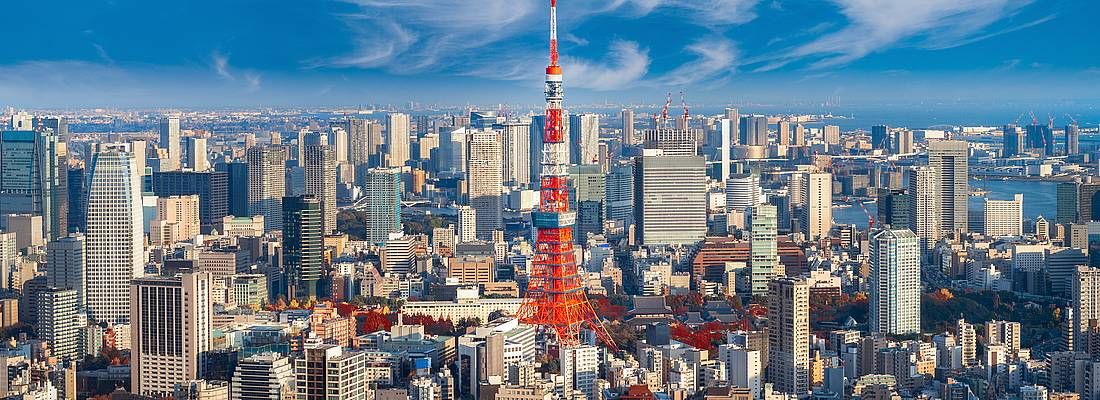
{"x":325,"y":52}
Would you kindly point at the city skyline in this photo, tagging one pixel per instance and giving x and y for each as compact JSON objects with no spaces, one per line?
{"x":378,"y":52}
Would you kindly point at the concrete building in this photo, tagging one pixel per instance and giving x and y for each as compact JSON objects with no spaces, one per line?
{"x":516,"y":146}
{"x":1004,"y":217}
{"x":267,"y":184}
{"x":58,"y":323}
{"x":397,"y":139}
{"x":484,"y":185}
{"x":924,"y":210}
{"x":895,"y":283}
{"x":763,"y":250}
{"x":115,"y":240}
{"x":669,"y":198}
{"x":65,"y":265}
{"x":742,"y":191}
{"x":817,"y":214}
{"x":584,"y":129}
{"x":948,"y":158}
{"x":170,"y":141}
{"x":177,"y":220}
{"x":788,"y":365}
{"x":580,"y":366}
{"x":170,"y":330}
{"x":264,"y":376}
{"x":303,"y":246}
{"x":383,"y":190}
{"x":319,"y":164}
{"x":326,"y":371}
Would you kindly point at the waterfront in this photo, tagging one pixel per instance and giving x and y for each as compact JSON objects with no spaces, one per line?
{"x":1039,"y":199}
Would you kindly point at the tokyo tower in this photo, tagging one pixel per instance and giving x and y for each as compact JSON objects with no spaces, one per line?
{"x":555,"y":297}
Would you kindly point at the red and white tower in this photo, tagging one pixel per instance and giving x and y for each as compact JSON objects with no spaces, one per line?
{"x":555,"y":297}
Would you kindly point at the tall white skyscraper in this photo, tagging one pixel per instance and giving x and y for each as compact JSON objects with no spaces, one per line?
{"x":948,"y":158}
{"x":817,"y":218}
{"x":267,"y":184}
{"x":383,"y":188}
{"x":789,"y":336}
{"x":115,"y":240}
{"x":483,"y":178}
{"x":170,"y":140}
{"x":1085,"y":291}
{"x":320,"y":180}
{"x":627,"y":117}
{"x":467,"y":224}
{"x":924,"y":212}
{"x":726,"y":130}
{"x":669,"y":198}
{"x":895,"y":283}
{"x":1004,"y":217}
{"x":397,"y":139}
{"x":580,"y":366}
{"x":516,"y":142}
{"x":57,"y":322}
{"x":584,"y":129}
{"x":170,"y":329}
{"x":763,"y":250}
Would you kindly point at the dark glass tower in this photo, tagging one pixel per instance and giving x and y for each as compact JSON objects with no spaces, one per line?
{"x":303,"y":244}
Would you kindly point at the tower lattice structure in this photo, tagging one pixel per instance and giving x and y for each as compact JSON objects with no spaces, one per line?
{"x":555,"y":297}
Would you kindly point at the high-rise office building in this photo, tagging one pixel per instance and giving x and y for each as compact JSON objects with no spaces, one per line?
{"x":76,"y":194}
{"x":948,"y":158}
{"x":211,"y":187}
{"x":584,"y":130}
{"x":326,"y":371}
{"x":1085,"y":296}
{"x":58,"y":322}
{"x":799,"y":132}
{"x":817,"y":214}
{"x":194,"y":155}
{"x":236,"y":183}
{"x":397,"y":139}
{"x":1004,"y":217}
{"x":176,"y":220}
{"x":303,"y":245}
{"x":830,"y":134}
{"x":467,"y":223}
{"x":742,"y":191}
{"x":1041,"y":138}
{"x":383,"y":188}
{"x":627,"y":118}
{"x":115,"y":240}
{"x":783,"y":132}
{"x":754,"y":130}
{"x":788,"y":365}
{"x":320,"y":181}
{"x":267,"y":184}
{"x":619,"y":194}
{"x":763,"y":250}
{"x":516,"y":151}
{"x":734,"y":116}
{"x":672,"y":142}
{"x":170,"y":141}
{"x":903,"y":142}
{"x":725,"y":129}
{"x":580,"y":367}
{"x":669,"y":198}
{"x":483,"y":177}
{"x":1012,"y":141}
{"x":895,"y":283}
{"x":33,"y":178}
{"x":263,"y":376}
{"x":893,"y":209}
{"x":65,"y":267}
{"x":170,"y":330}
{"x":880,"y":137}
{"x":924,"y":209}
{"x":1072,"y":134}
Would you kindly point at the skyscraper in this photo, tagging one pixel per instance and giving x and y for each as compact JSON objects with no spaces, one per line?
{"x":880,"y":137}
{"x":1012,"y":141}
{"x":627,"y":118}
{"x":57,"y":322}
{"x":725,"y":127}
{"x":1072,"y":134}
{"x":76,"y":194}
{"x":671,"y":142}
{"x":320,"y":181}
{"x":170,"y":331}
{"x":397,"y":139}
{"x":1085,"y":295}
{"x":1041,"y":137}
{"x":619,"y":193}
{"x":115,"y":240}
{"x":236,"y":174}
{"x":924,"y":210}
{"x":516,"y":145}
{"x":383,"y":187}
{"x":902,"y":142}
{"x":742,"y":191}
{"x":65,"y":267}
{"x":893,"y":209}
{"x":754,"y":130}
{"x":211,"y":187}
{"x":783,"y":132}
{"x":584,"y":129}
{"x":170,"y":141}
{"x":948,"y":158}
{"x":303,"y":245}
{"x":267,"y":184}
{"x":669,"y":198}
{"x":195,"y":156}
{"x":484,"y":186}
{"x":789,"y":336}
{"x":763,"y":250}
{"x":326,"y":371}
{"x":817,"y":218}
{"x":895,"y":283}
{"x":33,"y":178}
{"x":831,"y":134}
{"x":580,"y":366}
{"x":467,"y":224}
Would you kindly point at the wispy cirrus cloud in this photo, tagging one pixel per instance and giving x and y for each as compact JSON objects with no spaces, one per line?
{"x":716,"y":58}
{"x":874,"y":25}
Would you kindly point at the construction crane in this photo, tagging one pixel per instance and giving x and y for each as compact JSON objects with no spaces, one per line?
{"x":687,"y":115}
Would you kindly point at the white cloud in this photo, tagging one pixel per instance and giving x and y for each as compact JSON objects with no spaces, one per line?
{"x":876,"y":25}
{"x":220,"y":63}
{"x":626,"y":64}
{"x":715,"y":57}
